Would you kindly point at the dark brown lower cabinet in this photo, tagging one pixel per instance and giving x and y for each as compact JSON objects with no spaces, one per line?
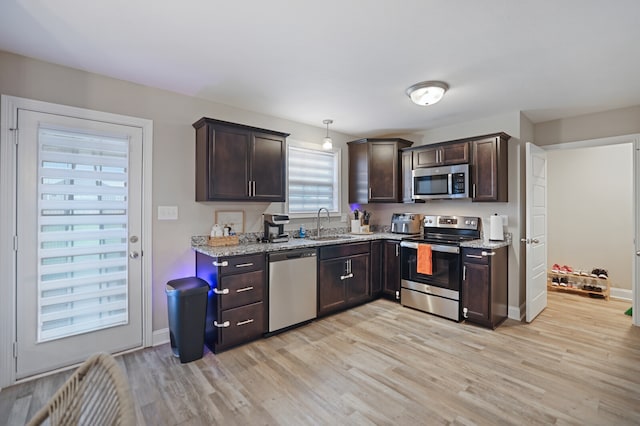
{"x":391,"y":270}
{"x":485,"y":286}
{"x":236,"y":311}
{"x":343,"y":276}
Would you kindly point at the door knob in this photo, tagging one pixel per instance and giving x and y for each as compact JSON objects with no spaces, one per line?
{"x":638,"y":253}
{"x":134,"y":255}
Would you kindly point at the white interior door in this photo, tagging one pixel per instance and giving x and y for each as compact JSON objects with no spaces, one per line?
{"x":536,"y":231}
{"x":79,"y":218}
{"x":636,"y":285}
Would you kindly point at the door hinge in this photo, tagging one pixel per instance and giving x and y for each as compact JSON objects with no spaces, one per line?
{"x":15,"y":135}
{"x":15,"y":243}
{"x":15,"y":349}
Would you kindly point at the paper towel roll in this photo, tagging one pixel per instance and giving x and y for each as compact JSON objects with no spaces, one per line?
{"x":495,"y":228}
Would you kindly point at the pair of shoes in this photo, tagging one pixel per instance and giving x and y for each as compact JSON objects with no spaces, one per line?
{"x":592,"y":288}
{"x":561,"y":269}
{"x":596,"y":296}
{"x":564,"y":282}
{"x":555,"y":268}
{"x":555,"y":281}
{"x":600,"y":273}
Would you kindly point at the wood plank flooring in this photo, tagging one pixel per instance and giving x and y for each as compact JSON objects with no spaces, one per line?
{"x":383,"y":364}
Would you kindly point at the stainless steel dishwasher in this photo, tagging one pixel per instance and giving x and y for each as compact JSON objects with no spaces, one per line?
{"x":293,"y":291}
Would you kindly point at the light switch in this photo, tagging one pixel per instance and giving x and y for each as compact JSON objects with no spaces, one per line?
{"x":167,"y":212}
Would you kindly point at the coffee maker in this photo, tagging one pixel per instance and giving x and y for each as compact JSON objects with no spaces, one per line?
{"x":276,"y":221}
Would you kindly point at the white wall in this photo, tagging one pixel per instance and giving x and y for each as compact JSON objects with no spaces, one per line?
{"x":590,"y":213}
{"x":173,"y":152}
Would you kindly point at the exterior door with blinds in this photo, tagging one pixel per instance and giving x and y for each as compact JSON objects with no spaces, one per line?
{"x":79,"y":275}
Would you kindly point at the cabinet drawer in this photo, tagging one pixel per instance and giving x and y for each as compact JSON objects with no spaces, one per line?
{"x":246,"y":323}
{"x":240,"y":264}
{"x":342,"y":250}
{"x":242,"y":289}
{"x":477,"y":255}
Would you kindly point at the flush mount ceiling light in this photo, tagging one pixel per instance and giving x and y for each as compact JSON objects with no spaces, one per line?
{"x":427,"y":92}
{"x":327,"y":142}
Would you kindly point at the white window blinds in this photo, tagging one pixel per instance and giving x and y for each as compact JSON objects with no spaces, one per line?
{"x":82,"y":232}
{"x":313,"y":180}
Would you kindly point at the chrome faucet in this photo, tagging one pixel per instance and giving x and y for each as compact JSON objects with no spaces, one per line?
{"x":318,"y":223}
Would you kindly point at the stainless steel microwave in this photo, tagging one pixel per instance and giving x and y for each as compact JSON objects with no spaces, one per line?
{"x":442,"y":182}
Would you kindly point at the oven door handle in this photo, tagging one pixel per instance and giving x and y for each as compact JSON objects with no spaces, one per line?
{"x":434,"y":247}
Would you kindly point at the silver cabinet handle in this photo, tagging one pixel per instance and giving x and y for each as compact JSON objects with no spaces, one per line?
{"x":240,"y":290}
{"x":488,"y":253}
{"x":474,"y":190}
{"x":223,"y":291}
{"x":249,"y":188}
{"x":344,"y":277}
{"x":249,"y":321}
{"x":254,"y":188}
{"x":397,"y":250}
{"x":474,"y":256}
{"x":369,"y":192}
{"x":223,"y":325}
{"x":464,"y":272}
{"x":225,"y":263}
{"x":244,"y":265}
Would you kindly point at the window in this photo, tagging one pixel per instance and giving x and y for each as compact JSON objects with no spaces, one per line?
{"x":313,"y":180}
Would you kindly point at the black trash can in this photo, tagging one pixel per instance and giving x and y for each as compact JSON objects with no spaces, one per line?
{"x":187,"y":305}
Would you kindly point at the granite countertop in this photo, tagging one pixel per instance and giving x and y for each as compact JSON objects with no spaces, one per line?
{"x":488,"y":244}
{"x":199,"y":244}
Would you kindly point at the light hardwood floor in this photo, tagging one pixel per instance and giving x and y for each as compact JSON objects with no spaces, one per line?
{"x":381,"y":363}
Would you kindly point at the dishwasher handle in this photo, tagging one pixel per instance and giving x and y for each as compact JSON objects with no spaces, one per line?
{"x":291,"y":255}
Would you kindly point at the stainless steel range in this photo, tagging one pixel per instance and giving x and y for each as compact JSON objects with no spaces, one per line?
{"x":432,"y":265}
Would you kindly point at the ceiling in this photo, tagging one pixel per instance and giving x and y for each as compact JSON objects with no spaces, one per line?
{"x":350,"y":60}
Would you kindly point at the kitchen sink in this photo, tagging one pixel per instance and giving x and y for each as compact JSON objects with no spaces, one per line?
{"x":331,"y":237}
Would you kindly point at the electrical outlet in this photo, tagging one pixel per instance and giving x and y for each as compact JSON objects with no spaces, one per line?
{"x":167,"y":212}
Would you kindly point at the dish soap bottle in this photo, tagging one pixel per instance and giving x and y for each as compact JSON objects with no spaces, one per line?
{"x":302,"y":232}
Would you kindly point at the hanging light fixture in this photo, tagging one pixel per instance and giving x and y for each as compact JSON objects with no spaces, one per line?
{"x":327,"y":142}
{"x":427,"y":92}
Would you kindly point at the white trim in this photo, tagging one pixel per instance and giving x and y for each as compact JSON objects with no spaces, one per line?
{"x":517,"y":313}
{"x":160,"y":337}
{"x":8,"y":120}
{"x":590,"y":143}
{"x":621,"y":293}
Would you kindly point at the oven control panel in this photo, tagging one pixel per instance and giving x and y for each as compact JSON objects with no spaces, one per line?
{"x":456,"y":222}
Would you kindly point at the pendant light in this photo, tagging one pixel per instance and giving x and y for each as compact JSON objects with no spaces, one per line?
{"x":327,"y":142}
{"x":427,"y":92}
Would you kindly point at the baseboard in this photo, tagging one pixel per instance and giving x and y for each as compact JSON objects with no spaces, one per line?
{"x":621,"y":293}
{"x":517,"y":312}
{"x":160,"y":337}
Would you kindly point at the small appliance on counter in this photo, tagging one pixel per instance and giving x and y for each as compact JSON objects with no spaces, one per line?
{"x":406,"y":223}
{"x":277,"y":222}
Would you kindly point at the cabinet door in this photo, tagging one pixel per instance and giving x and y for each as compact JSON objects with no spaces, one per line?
{"x":407,"y":168}
{"x":455,"y":153}
{"x":228,"y":163}
{"x":357,"y":287}
{"x":331,"y":285}
{"x":376,"y":267}
{"x":475,"y":292}
{"x":489,"y":170}
{"x":268,"y":168}
{"x":383,"y":172}
{"x":427,"y":157}
{"x":391,"y":274}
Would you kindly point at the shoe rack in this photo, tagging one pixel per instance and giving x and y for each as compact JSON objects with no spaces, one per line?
{"x":579,"y":283}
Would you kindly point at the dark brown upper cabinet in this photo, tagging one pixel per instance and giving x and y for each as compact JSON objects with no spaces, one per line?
{"x":489,"y":169}
{"x":235,"y":162}
{"x":374,"y":170}
{"x":441,"y":155}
